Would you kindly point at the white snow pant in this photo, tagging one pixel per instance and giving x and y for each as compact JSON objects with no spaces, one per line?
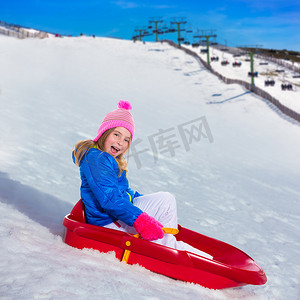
{"x":162,"y":207}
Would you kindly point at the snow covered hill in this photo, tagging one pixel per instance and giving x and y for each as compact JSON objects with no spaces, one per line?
{"x":266,"y":70}
{"x":239,"y":183}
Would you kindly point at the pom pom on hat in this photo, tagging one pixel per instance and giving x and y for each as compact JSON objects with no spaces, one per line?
{"x":125,"y":105}
{"x":120,"y":117}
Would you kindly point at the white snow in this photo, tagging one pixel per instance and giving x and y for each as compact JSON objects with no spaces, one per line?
{"x":240,"y":186}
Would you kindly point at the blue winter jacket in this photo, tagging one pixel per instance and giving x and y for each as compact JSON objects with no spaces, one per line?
{"x":106,"y":196}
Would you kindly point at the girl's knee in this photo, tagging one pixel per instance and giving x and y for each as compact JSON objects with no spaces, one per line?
{"x":168,"y":198}
{"x":164,"y":195}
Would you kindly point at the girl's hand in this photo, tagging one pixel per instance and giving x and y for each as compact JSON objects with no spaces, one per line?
{"x":149,"y":228}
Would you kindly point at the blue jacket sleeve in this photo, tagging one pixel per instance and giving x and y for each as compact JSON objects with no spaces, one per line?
{"x":133,"y":193}
{"x":101,"y":172}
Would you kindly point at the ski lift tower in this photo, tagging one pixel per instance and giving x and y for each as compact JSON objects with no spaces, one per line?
{"x":156,"y":21}
{"x":179,"y":22}
{"x":252,"y":50}
{"x":205,"y":34}
{"x":141,"y":33}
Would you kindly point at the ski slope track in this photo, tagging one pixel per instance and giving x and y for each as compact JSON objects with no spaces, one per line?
{"x":234,"y":166}
{"x":238,"y":67}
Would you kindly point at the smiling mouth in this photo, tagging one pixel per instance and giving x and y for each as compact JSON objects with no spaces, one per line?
{"x":114,"y":150}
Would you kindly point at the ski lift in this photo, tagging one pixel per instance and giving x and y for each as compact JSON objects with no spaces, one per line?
{"x":253,"y":74}
{"x":214,"y":57}
{"x":224,"y":61}
{"x":263,"y":63}
{"x":269,"y":82}
{"x":187,"y":43}
{"x":236,"y":64}
{"x":189,"y":28}
{"x":195,"y":45}
{"x":203,"y":50}
{"x":286,"y":86}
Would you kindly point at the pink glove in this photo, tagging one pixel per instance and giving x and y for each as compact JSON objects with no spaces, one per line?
{"x":148,"y":227}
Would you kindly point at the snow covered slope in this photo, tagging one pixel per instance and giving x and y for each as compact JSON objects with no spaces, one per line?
{"x":266,"y":71}
{"x":237,"y":181}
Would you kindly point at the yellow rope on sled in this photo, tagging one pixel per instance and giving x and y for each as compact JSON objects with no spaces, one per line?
{"x":126,"y":253}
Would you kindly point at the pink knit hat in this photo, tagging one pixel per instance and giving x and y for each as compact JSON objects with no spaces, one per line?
{"x":120,"y":117}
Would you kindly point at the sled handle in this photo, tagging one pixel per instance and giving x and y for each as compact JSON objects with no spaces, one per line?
{"x":170,"y":230}
{"x":128,"y":243}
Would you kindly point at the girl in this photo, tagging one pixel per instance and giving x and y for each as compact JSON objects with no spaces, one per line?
{"x":105,"y":192}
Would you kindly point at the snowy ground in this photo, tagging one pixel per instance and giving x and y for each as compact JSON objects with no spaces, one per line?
{"x":240,"y":185}
{"x":266,"y":71}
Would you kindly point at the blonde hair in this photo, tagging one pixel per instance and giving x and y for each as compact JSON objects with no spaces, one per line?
{"x":83,"y":147}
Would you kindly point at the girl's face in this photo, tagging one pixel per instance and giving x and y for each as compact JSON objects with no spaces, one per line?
{"x":117,"y":142}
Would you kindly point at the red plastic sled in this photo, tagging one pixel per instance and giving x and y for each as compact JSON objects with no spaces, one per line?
{"x":230,"y":267}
